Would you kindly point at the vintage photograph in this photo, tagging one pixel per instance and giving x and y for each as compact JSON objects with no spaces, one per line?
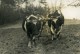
{"x":39,"y":26}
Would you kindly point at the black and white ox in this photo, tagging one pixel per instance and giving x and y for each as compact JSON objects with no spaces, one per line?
{"x":33,"y":28}
{"x":55,"y":24}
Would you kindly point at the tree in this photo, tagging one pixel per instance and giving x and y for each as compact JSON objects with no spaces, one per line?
{"x":75,"y":3}
{"x":11,"y":2}
{"x":8,"y":11}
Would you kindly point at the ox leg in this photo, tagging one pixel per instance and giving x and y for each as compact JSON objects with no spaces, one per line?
{"x":58,"y":33}
{"x":33,"y":41}
{"x":53,"y":33}
{"x":54,"y":36}
{"x":39,"y":35}
{"x":29,"y":44}
{"x":29,"y":40}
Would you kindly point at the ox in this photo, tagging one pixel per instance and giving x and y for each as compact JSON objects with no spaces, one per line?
{"x":33,"y":28}
{"x":55,"y":24}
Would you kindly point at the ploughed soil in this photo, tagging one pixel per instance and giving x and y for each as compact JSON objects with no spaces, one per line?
{"x":13,"y":40}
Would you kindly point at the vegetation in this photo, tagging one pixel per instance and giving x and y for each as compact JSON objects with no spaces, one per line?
{"x":10,"y":10}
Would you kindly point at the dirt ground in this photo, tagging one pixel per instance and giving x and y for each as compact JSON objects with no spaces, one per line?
{"x":13,"y":40}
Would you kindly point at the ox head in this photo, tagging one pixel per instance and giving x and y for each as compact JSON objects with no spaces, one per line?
{"x":34,"y":24}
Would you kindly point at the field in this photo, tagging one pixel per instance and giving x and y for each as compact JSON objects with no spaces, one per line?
{"x":13,"y":40}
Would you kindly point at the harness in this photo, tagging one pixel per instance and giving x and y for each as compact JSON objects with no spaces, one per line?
{"x":33,"y":19}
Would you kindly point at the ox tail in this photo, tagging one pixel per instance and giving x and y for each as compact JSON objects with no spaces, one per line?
{"x":23,"y":24}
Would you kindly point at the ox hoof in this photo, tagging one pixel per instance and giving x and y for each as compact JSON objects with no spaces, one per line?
{"x":54,"y":38}
{"x":29,"y":45}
